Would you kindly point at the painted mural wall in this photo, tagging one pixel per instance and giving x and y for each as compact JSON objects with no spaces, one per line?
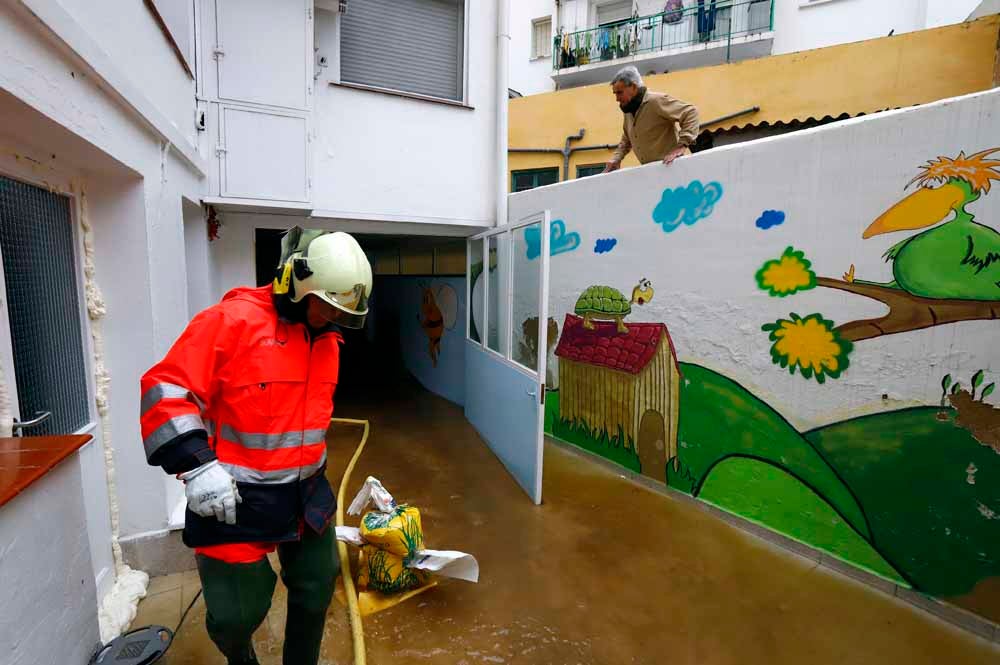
{"x":803,"y":331}
{"x":431,"y":319}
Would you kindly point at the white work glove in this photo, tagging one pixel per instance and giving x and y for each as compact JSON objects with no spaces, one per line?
{"x":211,"y":491}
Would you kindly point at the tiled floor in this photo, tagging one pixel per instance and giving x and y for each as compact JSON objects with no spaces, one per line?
{"x":605,"y":571}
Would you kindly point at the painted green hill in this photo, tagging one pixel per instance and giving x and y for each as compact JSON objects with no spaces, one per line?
{"x":739,"y":454}
{"x":764,"y":494}
{"x":720,"y":419}
{"x":912,"y":473}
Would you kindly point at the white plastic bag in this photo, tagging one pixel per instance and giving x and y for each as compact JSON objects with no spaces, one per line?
{"x":372,"y":492}
{"x":449,"y":563}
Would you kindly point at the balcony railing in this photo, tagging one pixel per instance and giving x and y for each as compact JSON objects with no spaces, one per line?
{"x":711,"y":21}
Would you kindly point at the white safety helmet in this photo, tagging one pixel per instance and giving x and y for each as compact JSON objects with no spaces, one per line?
{"x":334,"y":268}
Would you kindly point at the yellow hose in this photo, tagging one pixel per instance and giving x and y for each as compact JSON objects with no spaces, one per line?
{"x":357,"y":632}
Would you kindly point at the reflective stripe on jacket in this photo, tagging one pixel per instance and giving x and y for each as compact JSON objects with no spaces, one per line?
{"x":258,"y":390}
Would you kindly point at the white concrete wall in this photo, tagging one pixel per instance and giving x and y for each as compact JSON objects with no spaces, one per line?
{"x":371,"y":156}
{"x":48,"y":609}
{"x":196,"y":242}
{"x":831,"y":182}
{"x":947,"y":12}
{"x":129,"y":34}
{"x":985,"y":8}
{"x":378,"y":156}
{"x":799,"y":26}
{"x":58,"y":105}
{"x":529,"y":76}
{"x":179,"y":18}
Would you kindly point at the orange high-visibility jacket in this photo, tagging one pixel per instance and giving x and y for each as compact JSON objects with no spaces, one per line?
{"x":255,"y":390}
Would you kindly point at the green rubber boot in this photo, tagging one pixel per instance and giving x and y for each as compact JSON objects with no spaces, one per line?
{"x":309,"y":569}
{"x":237,"y":597}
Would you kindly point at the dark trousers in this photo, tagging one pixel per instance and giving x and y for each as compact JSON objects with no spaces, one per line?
{"x":238,"y":596}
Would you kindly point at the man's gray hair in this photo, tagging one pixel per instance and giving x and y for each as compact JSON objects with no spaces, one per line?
{"x":629,"y":76}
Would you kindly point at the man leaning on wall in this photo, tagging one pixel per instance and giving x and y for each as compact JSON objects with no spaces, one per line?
{"x":657,"y":127}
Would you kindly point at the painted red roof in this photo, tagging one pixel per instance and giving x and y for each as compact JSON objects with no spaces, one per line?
{"x":606,"y":347}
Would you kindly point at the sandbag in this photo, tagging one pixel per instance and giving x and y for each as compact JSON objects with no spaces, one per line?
{"x":383,"y":571}
{"x":397,"y":532}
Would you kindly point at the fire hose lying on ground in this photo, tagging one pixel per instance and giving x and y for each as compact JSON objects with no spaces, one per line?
{"x":393,"y":567}
{"x":393,"y":564}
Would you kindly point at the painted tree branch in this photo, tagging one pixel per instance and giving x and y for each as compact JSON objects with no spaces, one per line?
{"x":906,"y":311}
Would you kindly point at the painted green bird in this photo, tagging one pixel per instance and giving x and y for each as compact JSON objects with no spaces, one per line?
{"x":958,"y":259}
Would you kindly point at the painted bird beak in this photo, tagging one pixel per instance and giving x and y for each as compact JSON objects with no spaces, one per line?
{"x":924,"y":207}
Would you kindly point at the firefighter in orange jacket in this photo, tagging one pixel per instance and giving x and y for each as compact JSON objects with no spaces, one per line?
{"x":239,"y":409}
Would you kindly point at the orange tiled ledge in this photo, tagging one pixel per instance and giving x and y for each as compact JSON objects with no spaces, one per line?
{"x":23,"y":460}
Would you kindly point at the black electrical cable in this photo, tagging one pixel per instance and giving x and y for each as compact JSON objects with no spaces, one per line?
{"x":122,"y":641}
{"x":183,"y":616}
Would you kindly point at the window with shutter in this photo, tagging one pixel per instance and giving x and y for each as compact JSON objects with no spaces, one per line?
{"x":415,"y":46}
{"x":541,"y":38}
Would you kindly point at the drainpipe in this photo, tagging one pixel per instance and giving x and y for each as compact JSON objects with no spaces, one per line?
{"x":567,"y":150}
{"x":503,"y":48}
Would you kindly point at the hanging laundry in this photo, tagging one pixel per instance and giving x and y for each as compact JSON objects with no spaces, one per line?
{"x":673,"y":12}
{"x":634,"y":36}
{"x":706,"y":20}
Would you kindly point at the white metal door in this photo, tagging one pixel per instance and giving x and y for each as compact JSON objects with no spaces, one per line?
{"x":507,"y":292}
{"x":264,"y":154}
{"x":263,"y":49}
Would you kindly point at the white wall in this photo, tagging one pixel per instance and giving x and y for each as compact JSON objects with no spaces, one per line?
{"x":135,"y":184}
{"x":985,"y":8}
{"x":49,"y":608}
{"x":130,"y":35}
{"x":830,"y":182}
{"x":947,"y":12}
{"x":379,"y":156}
{"x":529,"y":76}
{"x":196,"y":242}
{"x":178,"y":15}
{"x":369,"y":155}
{"x":799,"y":26}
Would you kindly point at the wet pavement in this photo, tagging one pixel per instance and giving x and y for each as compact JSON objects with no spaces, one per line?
{"x":605,"y":571}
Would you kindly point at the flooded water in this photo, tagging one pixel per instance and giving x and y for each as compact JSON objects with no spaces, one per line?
{"x":605,"y":571}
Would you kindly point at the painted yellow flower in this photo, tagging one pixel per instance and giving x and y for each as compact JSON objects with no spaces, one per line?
{"x":786,"y":275}
{"x":811,"y":344}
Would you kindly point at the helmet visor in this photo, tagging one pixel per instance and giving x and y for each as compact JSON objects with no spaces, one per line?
{"x":348,"y":308}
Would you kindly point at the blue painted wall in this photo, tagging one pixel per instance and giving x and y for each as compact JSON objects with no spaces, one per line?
{"x":405,"y":295}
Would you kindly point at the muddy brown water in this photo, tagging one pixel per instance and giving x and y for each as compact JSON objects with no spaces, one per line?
{"x":605,"y":571}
